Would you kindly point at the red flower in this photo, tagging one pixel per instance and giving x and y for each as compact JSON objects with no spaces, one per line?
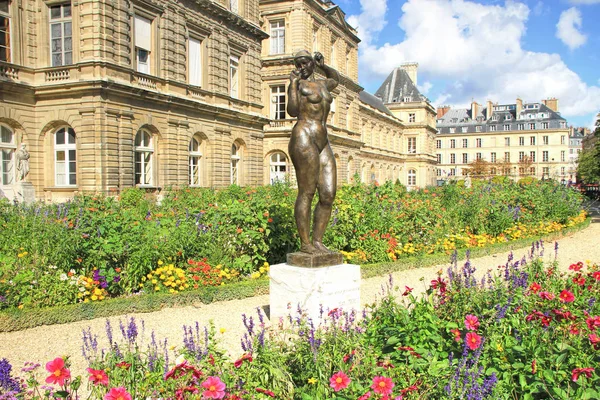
{"x":456,"y":333}
{"x":593,"y":322}
{"x":594,"y":340}
{"x":411,"y":388}
{"x":407,"y":291}
{"x":98,"y":376}
{"x":382,"y":385}
{"x":579,"y":280}
{"x":535,"y":287}
{"x":350,"y":356}
{"x":596,"y":275}
{"x":265,"y":391}
{"x":473,"y":340}
{"x":58,"y":373}
{"x":387,"y":364}
{"x":546,"y":295}
{"x":578,"y":371}
{"x":574,"y":330}
{"x":245,"y":357}
{"x":118,"y":393}
{"x":123,"y":364}
{"x":215,"y":388}
{"x":471,"y":322}
{"x":339,"y":381}
{"x":365,"y":396}
{"x":576,"y":267}
{"x":566,"y":296}
{"x":533,"y":367}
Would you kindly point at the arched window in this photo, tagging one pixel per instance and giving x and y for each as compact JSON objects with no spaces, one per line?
{"x":65,"y":157}
{"x":412,"y":177}
{"x":278,"y":167}
{"x":144,"y":158}
{"x":236,"y":158}
{"x":195,"y":162}
{"x":7,"y":153}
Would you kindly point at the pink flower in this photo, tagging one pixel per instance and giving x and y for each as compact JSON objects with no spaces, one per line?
{"x":98,"y":376}
{"x":566,"y":296}
{"x":339,"y":381}
{"x":576,"y":267}
{"x":118,"y":393}
{"x":365,"y":396}
{"x":594,"y":340}
{"x":456,"y":334}
{"x":238,"y":363}
{"x":578,"y":371}
{"x":546,"y":295}
{"x":473,"y":340}
{"x":407,"y":291}
{"x":382,"y":385}
{"x":471,"y":322}
{"x":58,"y":373}
{"x":215,"y":388}
{"x":535,"y":287}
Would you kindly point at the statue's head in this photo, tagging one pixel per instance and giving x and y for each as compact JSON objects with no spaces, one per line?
{"x":305,"y":63}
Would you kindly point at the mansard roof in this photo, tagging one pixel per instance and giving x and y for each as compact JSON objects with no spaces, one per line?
{"x":399,"y":88}
{"x":374,"y":102}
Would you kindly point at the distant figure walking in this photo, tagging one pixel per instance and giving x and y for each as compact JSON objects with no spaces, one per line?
{"x":310,"y":101}
{"x":22,"y":159}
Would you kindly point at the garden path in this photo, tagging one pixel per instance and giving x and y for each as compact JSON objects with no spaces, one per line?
{"x":44,"y":343}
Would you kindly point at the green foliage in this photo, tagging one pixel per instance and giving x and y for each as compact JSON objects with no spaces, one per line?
{"x":588,"y":166}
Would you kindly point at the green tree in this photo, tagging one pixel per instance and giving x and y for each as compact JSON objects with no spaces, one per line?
{"x":588,"y":168}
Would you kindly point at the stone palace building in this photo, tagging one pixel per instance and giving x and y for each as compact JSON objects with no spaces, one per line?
{"x":110,"y":94}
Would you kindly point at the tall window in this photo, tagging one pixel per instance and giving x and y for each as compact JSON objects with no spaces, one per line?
{"x":453,"y":158}
{"x":532,"y":140}
{"x":235,"y":164}
{"x":411,"y":117}
{"x":562,"y":155}
{"x":438,"y":144}
{"x":546,"y":172}
{"x":465,"y":158}
{"x":545,"y":156}
{"x":234,"y":65}
{"x":562,"y":139}
{"x":465,"y":143}
{"x":7,"y":153}
{"x":521,"y":155}
{"x":439,"y":158}
{"x":412,"y":145}
{"x":478,"y":156}
{"x":545,"y":125}
{"x":278,"y":102}
{"x":507,"y":141}
{"x":61,"y":41}
{"x":233,"y":6}
{"x":532,"y":156}
{"x":4,"y":31}
{"x":195,"y":61}
{"x":278,"y":37}
{"x":478,"y":142}
{"x":493,"y":157}
{"x":492,"y":128}
{"x":507,"y":127}
{"x":452,"y":143}
{"x":144,"y":154}
{"x":532,"y":126}
{"x":143,"y":43}
{"x":195,"y":159}
{"x":521,"y":127}
{"x":278,"y":164}
{"x":65,"y":157}
{"x":412,"y":177}
{"x":507,"y":156}
{"x":521,"y":140}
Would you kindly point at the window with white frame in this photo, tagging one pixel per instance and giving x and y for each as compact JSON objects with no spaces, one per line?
{"x":438,"y":172}
{"x":195,"y":161}
{"x":493,"y":171}
{"x":532,"y":156}
{"x":478,"y":128}
{"x":278,"y":167}
{"x":453,"y":158}
{"x":61,"y":35}
{"x":464,"y":129}
{"x":521,"y":127}
{"x":532,"y":140}
{"x":195,"y":61}
{"x":507,"y":142}
{"x":562,"y":139}
{"x":465,"y":143}
{"x":545,"y":156}
{"x":278,"y":102}
{"x":521,"y":140}
{"x":333,"y":110}
{"x":143,"y":43}
{"x":144,"y":158}
{"x":452,"y":130}
{"x":521,"y":155}
{"x":493,"y":157}
{"x":452,"y":172}
{"x":7,"y":153}
{"x":478,"y":142}
{"x":546,"y":171}
{"x":507,"y":127}
{"x":234,"y":76}
{"x":492,"y":128}
{"x":65,"y":157}
{"x":545,"y":140}
{"x":478,"y":156}
{"x":545,"y":125}
{"x":278,"y":36}
{"x":234,"y":6}
{"x":465,"y":158}
{"x":5,"y":53}
{"x":438,"y":144}
{"x":562,"y":156}
{"x":412,"y":177}
{"x":411,"y":117}
{"x":532,"y":126}
{"x":532,"y":171}
{"x":236,"y":158}
{"x":412,"y":145}
{"x":439,"y":158}
{"x":507,"y":156}
{"x":452,"y":143}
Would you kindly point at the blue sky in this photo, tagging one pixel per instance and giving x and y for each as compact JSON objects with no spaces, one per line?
{"x":486,"y":50}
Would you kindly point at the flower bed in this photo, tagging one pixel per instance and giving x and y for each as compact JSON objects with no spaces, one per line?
{"x":523,"y":331}
{"x":95,"y":248}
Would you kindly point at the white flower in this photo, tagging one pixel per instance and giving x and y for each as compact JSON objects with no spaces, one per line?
{"x":82,"y":289}
{"x":180,"y":359}
{"x":52,"y":266}
{"x":63,"y":277}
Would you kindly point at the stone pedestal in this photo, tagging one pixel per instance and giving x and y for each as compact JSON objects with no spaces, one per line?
{"x":336,"y":286}
{"x":26,"y":192}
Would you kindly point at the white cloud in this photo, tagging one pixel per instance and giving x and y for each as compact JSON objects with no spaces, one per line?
{"x":371,"y":21}
{"x":425,"y":87}
{"x":476,"y":49}
{"x":568,"y":26}
{"x":540,"y":8}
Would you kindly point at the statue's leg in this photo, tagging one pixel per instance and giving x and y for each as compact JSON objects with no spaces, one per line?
{"x":305,"y":157}
{"x":327,"y":189}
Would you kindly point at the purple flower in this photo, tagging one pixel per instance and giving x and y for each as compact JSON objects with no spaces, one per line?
{"x":6,"y":381}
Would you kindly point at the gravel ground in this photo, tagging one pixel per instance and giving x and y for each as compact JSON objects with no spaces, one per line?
{"x":44,"y":343}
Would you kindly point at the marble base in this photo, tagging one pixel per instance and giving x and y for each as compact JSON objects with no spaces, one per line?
{"x":26,"y":192}
{"x":336,"y":286}
{"x":300,"y":259}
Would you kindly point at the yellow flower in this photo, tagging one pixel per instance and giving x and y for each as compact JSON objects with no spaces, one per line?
{"x":255,"y":275}
{"x":312,"y":381}
{"x":156,"y":289}
{"x":20,"y":306}
{"x":222,"y":330}
{"x":94,"y":297}
{"x":160,"y":262}
{"x":154,"y":281}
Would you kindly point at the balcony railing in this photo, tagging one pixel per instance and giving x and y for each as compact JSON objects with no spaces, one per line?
{"x":8,"y":72}
{"x":56,"y":75}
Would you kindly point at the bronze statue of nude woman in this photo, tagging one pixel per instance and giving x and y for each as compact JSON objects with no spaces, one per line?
{"x":310,"y":99}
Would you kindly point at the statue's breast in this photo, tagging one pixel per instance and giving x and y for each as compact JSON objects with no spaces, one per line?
{"x":311,"y":91}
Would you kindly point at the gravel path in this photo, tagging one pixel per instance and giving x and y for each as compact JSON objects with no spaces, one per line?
{"x":44,"y":343}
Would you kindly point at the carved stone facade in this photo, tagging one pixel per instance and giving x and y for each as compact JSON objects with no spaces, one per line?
{"x":110,"y":94}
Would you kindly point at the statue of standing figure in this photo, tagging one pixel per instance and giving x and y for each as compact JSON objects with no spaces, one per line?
{"x":310,"y":100}
{"x":22,"y":161}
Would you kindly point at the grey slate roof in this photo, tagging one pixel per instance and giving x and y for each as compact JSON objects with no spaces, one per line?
{"x":373,"y":101}
{"x":398,"y":86}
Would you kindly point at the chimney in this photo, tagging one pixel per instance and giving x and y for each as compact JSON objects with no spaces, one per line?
{"x":411,"y":70}
{"x":489,"y":110}
{"x":474,"y":110}
{"x":441,"y":111}
{"x":551,"y":104}
{"x":519,"y":107}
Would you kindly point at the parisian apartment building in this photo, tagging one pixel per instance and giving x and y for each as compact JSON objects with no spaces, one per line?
{"x":518,"y":140}
{"x":108,"y":95}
